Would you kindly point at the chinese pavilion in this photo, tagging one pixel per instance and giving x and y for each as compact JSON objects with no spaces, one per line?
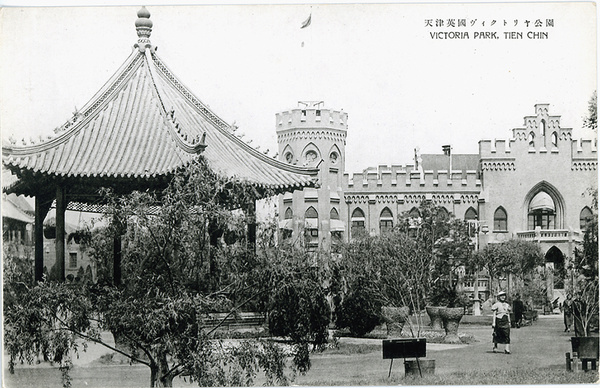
{"x":134,"y":134}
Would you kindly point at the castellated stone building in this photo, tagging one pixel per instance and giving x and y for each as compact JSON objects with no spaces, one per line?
{"x":532,"y":187}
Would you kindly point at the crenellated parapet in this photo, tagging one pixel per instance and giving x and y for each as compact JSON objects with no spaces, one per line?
{"x":311,"y":117}
{"x":584,"y":148}
{"x":407,"y":178}
{"x":584,"y":155}
{"x":541,"y":134}
{"x":413,"y":199}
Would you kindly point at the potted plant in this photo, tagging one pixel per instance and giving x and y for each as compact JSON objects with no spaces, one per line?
{"x":435,"y":317}
{"x":415,"y":346}
{"x":453,"y":304}
{"x":79,"y":236}
{"x":395,"y":318}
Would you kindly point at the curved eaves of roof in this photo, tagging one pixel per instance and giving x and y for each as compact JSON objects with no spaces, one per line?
{"x":122,"y":132}
{"x":144,"y":123}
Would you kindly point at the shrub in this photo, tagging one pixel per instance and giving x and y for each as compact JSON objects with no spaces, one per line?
{"x":300,"y":310}
{"x":360,"y":310}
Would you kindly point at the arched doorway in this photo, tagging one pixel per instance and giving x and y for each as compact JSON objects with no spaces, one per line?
{"x":556,"y":260}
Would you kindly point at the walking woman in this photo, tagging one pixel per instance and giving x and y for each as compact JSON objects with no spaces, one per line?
{"x":501,"y":323}
{"x":567,"y":308}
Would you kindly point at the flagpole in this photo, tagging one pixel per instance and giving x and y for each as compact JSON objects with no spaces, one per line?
{"x":308,"y":56}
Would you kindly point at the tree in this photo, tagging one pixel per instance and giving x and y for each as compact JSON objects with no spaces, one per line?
{"x":517,"y":257}
{"x":298,"y":307}
{"x":177,"y":271}
{"x":585,"y":273}
{"x":445,"y":246}
{"x":586,"y":254}
{"x":402,"y":267}
{"x":591,"y":121}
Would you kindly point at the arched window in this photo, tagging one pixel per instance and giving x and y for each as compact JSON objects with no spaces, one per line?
{"x":543,"y":128}
{"x":531,"y":139}
{"x":541,"y":212}
{"x":310,"y":156}
{"x":311,"y":212}
{"x":414,"y":213}
{"x":500,"y":220}
{"x":386,"y":221}
{"x":358,"y":222}
{"x":333,"y":214}
{"x":311,"y":220}
{"x":289,"y":214}
{"x":554,"y":138}
{"x":336,"y":230}
{"x":585,"y":217}
{"x":286,"y":226}
{"x":470,"y":214}
{"x":442,"y":213}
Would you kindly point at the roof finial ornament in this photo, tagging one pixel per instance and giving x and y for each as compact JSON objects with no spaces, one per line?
{"x":143,"y":26}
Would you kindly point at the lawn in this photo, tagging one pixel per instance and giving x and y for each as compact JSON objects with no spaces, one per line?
{"x":538,"y":357}
{"x":522,"y":376}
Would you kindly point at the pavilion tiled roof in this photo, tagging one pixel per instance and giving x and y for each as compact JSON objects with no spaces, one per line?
{"x":12,"y":208}
{"x":144,"y":123}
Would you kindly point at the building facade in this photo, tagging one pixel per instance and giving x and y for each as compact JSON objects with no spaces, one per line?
{"x":534,"y":186}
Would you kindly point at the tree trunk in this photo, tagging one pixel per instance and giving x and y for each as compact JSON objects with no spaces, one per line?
{"x":153,"y":375}
{"x":159,"y":374}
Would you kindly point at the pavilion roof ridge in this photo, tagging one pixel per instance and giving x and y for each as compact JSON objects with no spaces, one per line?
{"x":221,"y":124}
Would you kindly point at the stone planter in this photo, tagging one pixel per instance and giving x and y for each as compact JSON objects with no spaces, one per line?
{"x":585,"y":352}
{"x":451,"y":317}
{"x":411,"y":368}
{"x":435,"y":317}
{"x":395,"y":318}
{"x":585,"y":347}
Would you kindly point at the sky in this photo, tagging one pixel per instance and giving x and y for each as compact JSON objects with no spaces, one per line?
{"x":379,"y":63}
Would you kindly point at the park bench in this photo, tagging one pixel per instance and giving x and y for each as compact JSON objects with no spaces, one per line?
{"x":585,"y":349}
{"x":528,"y":318}
{"x":246,"y":319}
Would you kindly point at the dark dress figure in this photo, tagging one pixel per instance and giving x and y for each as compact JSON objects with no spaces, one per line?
{"x":567,"y":308}
{"x":518,"y":309}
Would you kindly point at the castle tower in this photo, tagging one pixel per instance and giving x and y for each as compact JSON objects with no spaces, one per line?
{"x":313,"y":136}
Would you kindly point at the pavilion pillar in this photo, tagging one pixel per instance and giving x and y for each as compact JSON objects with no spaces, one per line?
{"x":42,"y":205}
{"x":61,"y":207}
{"x":120,"y":228}
{"x":251,"y":230}
{"x":117,"y":260}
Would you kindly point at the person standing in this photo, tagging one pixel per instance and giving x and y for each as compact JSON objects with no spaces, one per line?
{"x":518,"y":309}
{"x":567,"y":308}
{"x":501,"y":323}
{"x":579,"y":310}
